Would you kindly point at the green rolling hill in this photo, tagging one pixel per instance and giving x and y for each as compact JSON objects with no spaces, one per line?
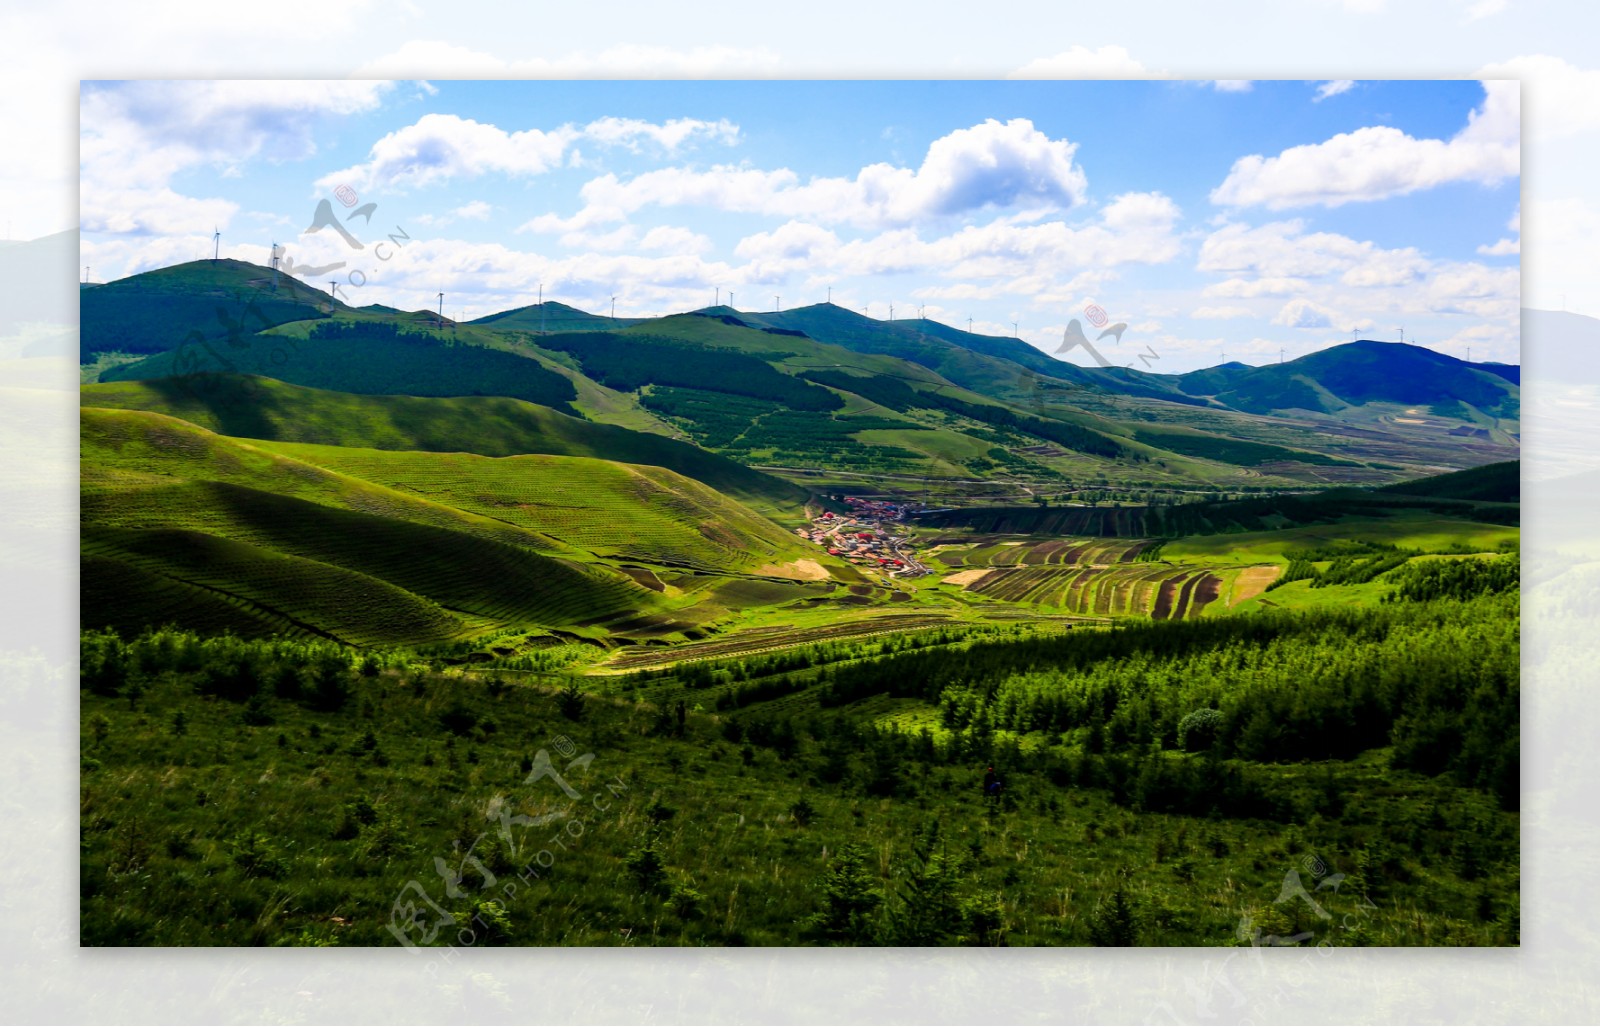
{"x":551,"y":316}
{"x":215,"y":303}
{"x":823,"y":395}
{"x":383,"y":547}
{"x":1491,"y":483}
{"x":612,"y":510}
{"x":264,"y":408}
{"x":371,"y":356}
{"x":1358,"y":373}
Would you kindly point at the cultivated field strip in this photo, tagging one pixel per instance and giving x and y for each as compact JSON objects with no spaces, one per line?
{"x":748,"y":643}
{"x":1053,"y":552}
{"x":1115,"y":590}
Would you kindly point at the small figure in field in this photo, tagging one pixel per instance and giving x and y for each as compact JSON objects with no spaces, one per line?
{"x":991,"y":785}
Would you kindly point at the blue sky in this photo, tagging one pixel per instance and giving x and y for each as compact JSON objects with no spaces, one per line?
{"x":1235,"y":219}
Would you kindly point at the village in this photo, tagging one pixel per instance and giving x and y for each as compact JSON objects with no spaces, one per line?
{"x":862,"y":537}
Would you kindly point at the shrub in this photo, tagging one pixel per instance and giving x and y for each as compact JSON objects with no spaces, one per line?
{"x":802,"y":811}
{"x":570,"y":700}
{"x":649,"y":870}
{"x":850,"y":900}
{"x":1198,"y":730}
{"x":1114,"y":921}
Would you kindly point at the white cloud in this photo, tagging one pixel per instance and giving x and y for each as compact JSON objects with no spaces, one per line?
{"x":1049,"y":261}
{"x":434,"y":59}
{"x":606,"y":242}
{"x":439,"y":147}
{"x":673,"y":238}
{"x":148,"y":131}
{"x":1562,"y":100}
{"x":1327,"y":272}
{"x":151,"y":212}
{"x":1474,"y":289}
{"x":137,"y":136}
{"x":1378,"y":162}
{"x":1233,"y":85}
{"x":1082,"y":62}
{"x":1134,"y":228}
{"x":1332,"y":88}
{"x":1221,"y":313}
{"x":990,"y":165}
{"x":1279,"y":248}
{"x":1304,"y":314}
{"x":1283,"y":248}
{"x":477,"y":210}
{"x":143,"y":133}
{"x":1507,"y":247}
{"x":1387,"y":268}
{"x":1485,"y":8}
{"x":491,"y":276}
{"x":669,"y":135}
{"x":1245,"y":288}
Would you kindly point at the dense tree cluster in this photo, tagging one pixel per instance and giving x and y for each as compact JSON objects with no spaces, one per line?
{"x":628,"y":363}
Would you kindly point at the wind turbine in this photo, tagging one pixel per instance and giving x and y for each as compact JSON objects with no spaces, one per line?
{"x":777,"y":303}
{"x":441,"y":310}
{"x":216,"y":239}
{"x":613,"y":308}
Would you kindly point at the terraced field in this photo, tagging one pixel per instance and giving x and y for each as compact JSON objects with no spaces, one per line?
{"x":768,"y":639}
{"x":1160,"y":592}
{"x":1050,"y":552}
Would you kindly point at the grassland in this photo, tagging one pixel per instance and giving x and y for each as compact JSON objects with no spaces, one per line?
{"x":397,"y":547}
{"x":302,"y":799}
{"x":392,"y":608}
{"x":262,"y":408}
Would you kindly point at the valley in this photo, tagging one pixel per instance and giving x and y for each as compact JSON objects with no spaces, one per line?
{"x":791,"y":579}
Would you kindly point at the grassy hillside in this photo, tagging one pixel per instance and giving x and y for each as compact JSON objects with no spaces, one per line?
{"x":1492,"y":483}
{"x":551,"y":316}
{"x":1157,"y":792}
{"x":616,"y":511}
{"x":1357,"y":373}
{"x":263,"y":408}
{"x":216,"y":303}
{"x":370,"y":357}
{"x":178,"y":520}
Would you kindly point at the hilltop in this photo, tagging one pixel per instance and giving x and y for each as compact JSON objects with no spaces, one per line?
{"x":824,"y":396}
{"x":157,"y":311}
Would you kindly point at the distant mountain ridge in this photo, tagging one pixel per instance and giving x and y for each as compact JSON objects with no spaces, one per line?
{"x":824,"y":387}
